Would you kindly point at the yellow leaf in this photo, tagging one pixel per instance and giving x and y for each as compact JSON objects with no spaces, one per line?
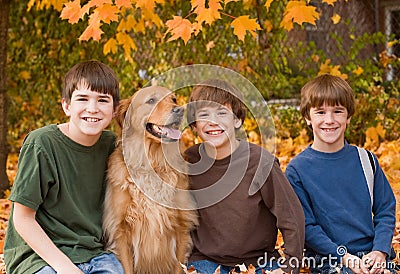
{"x":146,"y":4}
{"x":72,"y":11}
{"x":210,"y":45}
{"x":122,"y":25}
{"x":372,"y":135}
{"x":326,"y":68}
{"x":392,"y":43}
{"x":315,"y":58}
{"x":268,"y":4}
{"x":335,"y":18}
{"x":299,"y":12}
{"x":268,"y":25}
{"x":98,"y":3}
{"x":93,"y":29}
{"x":152,"y":17}
{"x":140,"y":26}
{"x":130,"y":23}
{"x":329,"y":2}
{"x":249,"y":4}
{"x":30,"y":4}
{"x":286,"y":23}
{"x":209,"y":15}
{"x":242,"y":24}
{"x":196,"y":28}
{"x":179,"y":28}
{"x":107,"y":13}
{"x":198,"y":5}
{"x":358,"y":71}
{"x":127,"y":43}
{"x":110,"y":46}
{"x":25,"y":75}
{"x":381,"y":131}
{"x":123,"y":3}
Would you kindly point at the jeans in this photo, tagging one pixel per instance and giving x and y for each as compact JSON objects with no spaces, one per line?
{"x":209,"y":267}
{"x":324,"y":265}
{"x":103,"y":264}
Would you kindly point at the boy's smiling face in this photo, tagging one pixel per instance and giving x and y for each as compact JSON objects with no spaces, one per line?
{"x":216,"y":124}
{"x":90,"y":112}
{"x":329,"y":125}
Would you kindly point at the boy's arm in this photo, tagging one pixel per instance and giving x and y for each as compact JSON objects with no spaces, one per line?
{"x":284,"y":204}
{"x":315,"y":236}
{"x":384,"y":212}
{"x":30,"y":230}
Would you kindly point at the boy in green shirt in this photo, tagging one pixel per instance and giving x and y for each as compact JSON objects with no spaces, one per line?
{"x":56,"y":219}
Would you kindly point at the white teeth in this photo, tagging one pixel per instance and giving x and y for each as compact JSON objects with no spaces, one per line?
{"x":215,"y":132}
{"x":91,"y":120}
{"x":157,"y":129}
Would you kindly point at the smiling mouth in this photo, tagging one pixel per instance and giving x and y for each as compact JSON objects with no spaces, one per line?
{"x":329,"y":129}
{"x":169,"y":133}
{"x":215,"y":132}
{"x":91,"y":120}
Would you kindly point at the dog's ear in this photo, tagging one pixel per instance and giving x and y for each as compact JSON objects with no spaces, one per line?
{"x":121,"y":111}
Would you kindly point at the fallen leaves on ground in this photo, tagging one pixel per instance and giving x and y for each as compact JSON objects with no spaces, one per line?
{"x":388,"y":154}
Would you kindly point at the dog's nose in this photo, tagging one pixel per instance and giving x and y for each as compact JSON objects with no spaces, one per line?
{"x":177,"y":110}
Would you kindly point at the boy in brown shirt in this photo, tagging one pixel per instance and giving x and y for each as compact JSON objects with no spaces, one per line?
{"x":242,"y":195}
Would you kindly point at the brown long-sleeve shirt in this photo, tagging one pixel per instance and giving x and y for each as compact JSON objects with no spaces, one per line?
{"x":244,"y":199}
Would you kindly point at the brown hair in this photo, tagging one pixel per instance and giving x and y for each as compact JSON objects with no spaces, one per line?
{"x":215,"y":91}
{"x":326,"y":89}
{"x":93,"y":75}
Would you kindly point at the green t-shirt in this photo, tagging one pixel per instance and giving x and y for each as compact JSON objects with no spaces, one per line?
{"x":65,"y":183}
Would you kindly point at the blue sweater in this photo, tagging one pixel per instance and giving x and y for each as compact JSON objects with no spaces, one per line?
{"x":337,"y":206}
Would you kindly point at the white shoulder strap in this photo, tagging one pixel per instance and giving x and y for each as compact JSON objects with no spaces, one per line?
{"x":368,"y":172}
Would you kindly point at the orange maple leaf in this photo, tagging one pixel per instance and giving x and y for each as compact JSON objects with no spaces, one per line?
{"x":123,"y":3}
{"x":93,"y":29}
{"x":110,"y":46}
{"x":209,"y":15}
{"x":72,"y":11}
{"x":179,"y":28}
{"x":242,"y":24}
{"x":146,"y":4}
{"x":107,"y":13}
{"x":198,"y":5}
{"x":98,"y":3}
{"x":299,"y":12}
{"x":268,"y":4}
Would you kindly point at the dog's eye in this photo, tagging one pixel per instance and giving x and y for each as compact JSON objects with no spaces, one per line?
{"x":174,"y":100}
{"x":151,"y":101}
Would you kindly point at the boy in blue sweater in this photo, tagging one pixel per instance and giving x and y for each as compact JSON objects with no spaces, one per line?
{"x":345,"y":230}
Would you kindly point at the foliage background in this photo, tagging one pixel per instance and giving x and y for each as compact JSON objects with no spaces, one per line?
{"x":42,"y":47}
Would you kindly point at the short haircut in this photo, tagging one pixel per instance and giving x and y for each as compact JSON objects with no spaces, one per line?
{"x":94,"y":75}
{"x":214,"y":91}
{"x":326,"y":89}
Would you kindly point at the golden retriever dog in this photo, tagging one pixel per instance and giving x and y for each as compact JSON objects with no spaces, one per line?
{"x":146,"y":221}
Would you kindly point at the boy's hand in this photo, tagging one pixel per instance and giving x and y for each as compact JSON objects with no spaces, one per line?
{"x":277,"y":271}
{"x":355,"y":264}
{"x":375,"y":261}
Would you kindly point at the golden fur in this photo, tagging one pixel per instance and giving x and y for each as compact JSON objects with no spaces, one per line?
{"x":146,"y":236}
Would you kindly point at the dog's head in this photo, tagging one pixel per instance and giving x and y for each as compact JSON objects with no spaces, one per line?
{"x":152,"y":111}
